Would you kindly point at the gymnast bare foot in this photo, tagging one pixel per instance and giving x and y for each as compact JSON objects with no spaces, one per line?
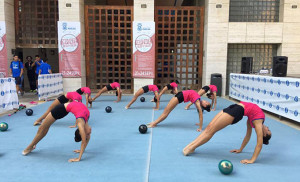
{"x":27,"y":151}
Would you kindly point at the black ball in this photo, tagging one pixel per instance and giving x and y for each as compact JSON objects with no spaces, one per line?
{"x":142,"y":99}
{"x":29,"y":112}
{"x":108,"y":109}
{"x":143,"y":129}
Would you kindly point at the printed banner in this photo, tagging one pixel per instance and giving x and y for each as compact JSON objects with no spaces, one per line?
{"x":50,"y":85}
{"x":143,"y":49}
{"x":8,"y":95}
{"x":279,"y":95}
{"x":3,"y":50}
{"x":69,"y":47}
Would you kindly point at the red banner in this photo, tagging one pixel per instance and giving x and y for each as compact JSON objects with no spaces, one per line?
{"x":3,"y":50}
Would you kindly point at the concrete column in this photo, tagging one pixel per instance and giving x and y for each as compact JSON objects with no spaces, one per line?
{"x":215,"y":40}
{"x":290,"y":46}
{"x":142,"y":14}
{"x":74,"y":13}
{"x":7,"y":15}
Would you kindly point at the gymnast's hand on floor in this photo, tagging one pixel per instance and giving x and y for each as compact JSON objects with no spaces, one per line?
{"x":74,"y":160}
{"x":246,"y":161}
{"x":199,"y":129}
{"x":235,"y":151}
{"x":76,"y":151}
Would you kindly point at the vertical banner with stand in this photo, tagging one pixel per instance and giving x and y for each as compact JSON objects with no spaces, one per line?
{"x":69,"y":47}
{"x":143,"y":49}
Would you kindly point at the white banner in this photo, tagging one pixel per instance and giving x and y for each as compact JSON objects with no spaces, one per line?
{"x":69,"y":47}
{"x":279,"y":95}
{"x":8,"y":95}
{"x":50,"y":85}
{"x":143,"y":49}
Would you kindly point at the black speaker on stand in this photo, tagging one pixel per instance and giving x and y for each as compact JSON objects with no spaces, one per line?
{"x":247,"y":63}
{"x":279,"y":66}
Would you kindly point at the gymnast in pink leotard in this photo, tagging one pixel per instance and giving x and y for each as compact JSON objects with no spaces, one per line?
{"x":112,"y":86}
{"x":82,"y":134}
{"x":87,"y":92}
{"x":145,"y":89}
{"x":184,"y":96}
{"x":211,"y":95}
{"x":70,"y":96}
{"x":172,"y":86}
{"x":231,"y":115}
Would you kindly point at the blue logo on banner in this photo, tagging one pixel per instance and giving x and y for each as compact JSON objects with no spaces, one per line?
{"x":287,"y":83}
{"x":271,"y":81}
{"x":243,"y":77}
{"x":296,"y":99}
{"x":271,"y":93}
{"x":258,"y":90}
{"x":252,"y":78}
{"x":3,"y":105}
{"x":2,"y":81}
{"x":265,"y":92}
{"x":243,"y":96}
{"x":139,"y":26}
{"x":252,"y":99}
{"x":287,"y":96}
{"x":257,"y":101}
{"x":252,"y":89}
{"x":239,"y":76}
{"x":2,"y":93}
{"x":277,"y":107}
{"x":243,"y":87}
{"x":64,"y":26}
{"x":270,"y":105}
{"x":258,"y":79}
{"x":286,"y":110}
{"x":9,"y":80}
{"x":247,"y":88}
{"x":296,"y":113}
{"x":278,"y":94}
{"x":297,"y":84}
{"x":247,"y":98}
{"x":264,"y":103}
{"x":279,"y":82}
{"x":265,"y":80}
{"x":247,"y":78}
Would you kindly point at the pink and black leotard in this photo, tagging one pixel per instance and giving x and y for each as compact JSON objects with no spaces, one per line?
{"x":188,"y":96}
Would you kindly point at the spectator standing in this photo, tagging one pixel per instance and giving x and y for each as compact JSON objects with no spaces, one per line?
{"x":45,"y":68}
{"x":16,"y":70}
{"x":31,"y":73}
{"x":37,"y":63}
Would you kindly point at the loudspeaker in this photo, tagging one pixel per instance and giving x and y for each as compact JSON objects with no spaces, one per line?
{"x":280,"y":66}
{"x":247,"y":63}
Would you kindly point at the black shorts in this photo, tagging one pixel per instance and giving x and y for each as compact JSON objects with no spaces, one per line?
{"x":235,"y":111}
{"x":206,"y":88}
{"x":146,"y":89}
{"x":18,"y":80}
{"x":169,"y":87}
{"x":59,"y":112}
{"x":62,"y":99}
{"x":79,"y":91}
{"x":109,"y":87}
{"x":180,"y":97}
{"x":36,"y":76}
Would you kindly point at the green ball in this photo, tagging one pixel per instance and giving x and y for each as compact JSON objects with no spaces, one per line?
{"x":3,"y":126}
{"x":225,"y":167}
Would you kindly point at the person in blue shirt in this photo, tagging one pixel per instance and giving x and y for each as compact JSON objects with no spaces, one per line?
{"x":45,"y":68}
{"x":16,"y":70}
{"x":37,"y":62}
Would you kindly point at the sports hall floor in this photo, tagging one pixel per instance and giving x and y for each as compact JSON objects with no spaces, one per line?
{"x":118,"y":152}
